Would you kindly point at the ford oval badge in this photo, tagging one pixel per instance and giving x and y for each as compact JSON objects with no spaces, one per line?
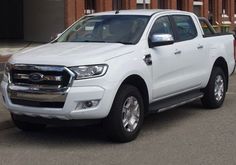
{"x":36,"y":77}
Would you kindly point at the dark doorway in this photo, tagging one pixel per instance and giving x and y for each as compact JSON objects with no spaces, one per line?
{"x":162,"y":4}
{"x":180,"y":4}
{"x":11,"y":17}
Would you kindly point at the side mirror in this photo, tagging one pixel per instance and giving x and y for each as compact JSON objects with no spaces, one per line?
{"x":160,"y":40}
{"x":59,"y":35}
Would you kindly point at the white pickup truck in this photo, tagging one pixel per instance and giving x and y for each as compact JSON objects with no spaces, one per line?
{"x":117,"y":66}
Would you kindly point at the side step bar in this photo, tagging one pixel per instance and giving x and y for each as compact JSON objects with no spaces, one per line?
{"x":175,"y":101}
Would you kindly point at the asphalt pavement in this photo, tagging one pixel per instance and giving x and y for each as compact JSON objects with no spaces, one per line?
{"x":5,"y":121}
{"x":188,"y":135}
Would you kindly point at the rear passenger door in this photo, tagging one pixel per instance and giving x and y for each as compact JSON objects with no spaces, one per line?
{"x":192,"y":50}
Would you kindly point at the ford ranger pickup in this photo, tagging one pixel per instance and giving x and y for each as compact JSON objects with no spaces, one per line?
{"x":116,"y":67}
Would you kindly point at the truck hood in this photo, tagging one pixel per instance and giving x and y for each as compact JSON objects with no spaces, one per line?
{"x":72,"y":54}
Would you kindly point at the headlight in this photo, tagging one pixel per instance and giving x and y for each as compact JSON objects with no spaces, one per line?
{"x":89,"y":71}
{"x":6,"y":75}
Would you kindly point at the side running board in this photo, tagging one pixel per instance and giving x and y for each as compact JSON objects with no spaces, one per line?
{"x":175,"y":101}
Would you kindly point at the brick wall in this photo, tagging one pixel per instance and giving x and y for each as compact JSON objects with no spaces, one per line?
{"x":74,"y":9}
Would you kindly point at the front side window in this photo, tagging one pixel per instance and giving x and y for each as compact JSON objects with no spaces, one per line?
{"x":185,"y":27}
{"x":161,"y":26}
{"x":126,"y":29}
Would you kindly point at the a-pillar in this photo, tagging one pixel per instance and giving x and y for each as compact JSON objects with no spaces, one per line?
{"x":74,"y":9}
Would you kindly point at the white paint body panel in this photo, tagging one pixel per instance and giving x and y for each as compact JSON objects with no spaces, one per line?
{"x":169,"y":74}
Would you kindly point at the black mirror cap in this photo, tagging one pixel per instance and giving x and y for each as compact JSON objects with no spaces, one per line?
{"x":155,"y":44}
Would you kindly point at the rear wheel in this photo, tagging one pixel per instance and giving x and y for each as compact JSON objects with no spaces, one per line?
{"x":124,"y":122}
{"x":26,"y":126}
{"x":214,"y":93}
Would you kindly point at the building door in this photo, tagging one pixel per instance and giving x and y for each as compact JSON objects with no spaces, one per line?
{"x":11,"y":17}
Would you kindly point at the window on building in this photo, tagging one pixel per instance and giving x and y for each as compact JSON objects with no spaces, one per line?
{"x":89,"y":6}
{"x":235,"y":7}
{"x":185,"y":27}
{"x":223,"y":6}
{"x":225,"y":12}
{"x":197,"y":7}
{"x":142,"y":6}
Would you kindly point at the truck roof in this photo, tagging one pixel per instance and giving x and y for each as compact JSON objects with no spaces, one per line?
{"x":147,"y":12}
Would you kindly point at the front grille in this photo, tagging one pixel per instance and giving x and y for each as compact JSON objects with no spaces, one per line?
{"x":53,"y":75}
{"x":39,"y":85}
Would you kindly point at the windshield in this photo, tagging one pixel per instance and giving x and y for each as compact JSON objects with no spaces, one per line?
{"x":126,"y":29}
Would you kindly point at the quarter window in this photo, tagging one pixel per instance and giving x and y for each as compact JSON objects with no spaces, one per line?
{"x":185,"y":27}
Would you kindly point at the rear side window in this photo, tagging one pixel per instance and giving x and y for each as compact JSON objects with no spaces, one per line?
{"x":185,"y":27}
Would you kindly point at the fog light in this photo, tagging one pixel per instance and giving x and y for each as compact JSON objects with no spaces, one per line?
{"x":87,"y":104}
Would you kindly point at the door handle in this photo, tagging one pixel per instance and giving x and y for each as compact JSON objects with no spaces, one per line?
{"x":178,"y":52}
{"x":200,"y":47}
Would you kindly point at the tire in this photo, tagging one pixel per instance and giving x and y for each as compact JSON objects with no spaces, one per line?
{"x":27,"y":126}
{"x":214,"y":99}
{"x":123,"y":123}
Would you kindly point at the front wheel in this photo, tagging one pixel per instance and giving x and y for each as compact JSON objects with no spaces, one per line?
{"x":124,"y":122}
{"x":214,"y":93}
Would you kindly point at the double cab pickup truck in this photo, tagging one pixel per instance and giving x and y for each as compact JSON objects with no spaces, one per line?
{"x":116,"y":67}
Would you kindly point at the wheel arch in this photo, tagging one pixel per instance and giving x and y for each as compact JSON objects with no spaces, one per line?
{"x":221,"y":63}
{"x":141,"y":85}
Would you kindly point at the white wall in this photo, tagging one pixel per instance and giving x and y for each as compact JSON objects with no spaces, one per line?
{"x":43,"y":19}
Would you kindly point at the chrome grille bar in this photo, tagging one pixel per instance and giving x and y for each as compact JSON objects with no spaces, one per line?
{"x":45,"y":77}
{"x":38,"y":67}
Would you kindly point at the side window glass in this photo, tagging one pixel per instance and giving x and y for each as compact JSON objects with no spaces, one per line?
{"x":206,"y":28}
{"x":185,"y":27}
{"x":161,"y":26}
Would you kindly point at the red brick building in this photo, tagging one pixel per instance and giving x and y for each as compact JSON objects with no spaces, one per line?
{"x":38,"y":20}
{"x":207,"y":8}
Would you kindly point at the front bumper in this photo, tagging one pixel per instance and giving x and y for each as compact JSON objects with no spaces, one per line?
{"x":74,"y":95}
